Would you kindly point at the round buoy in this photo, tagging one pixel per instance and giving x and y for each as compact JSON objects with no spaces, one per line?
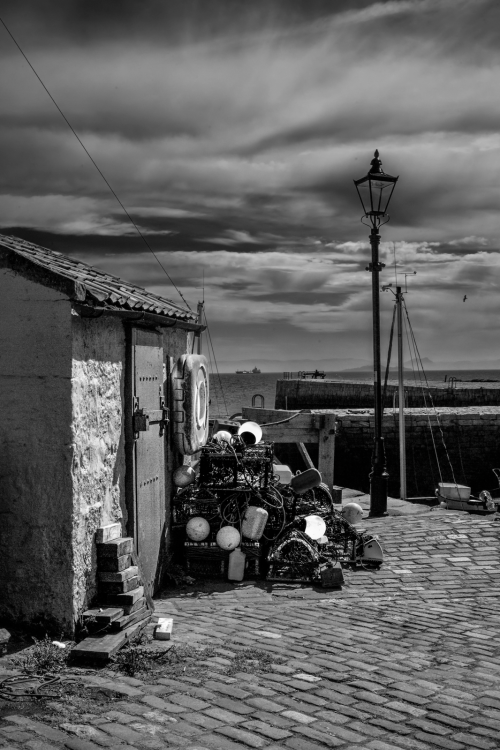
{"x":315,"y":527}
{"x":352,"y":512}
{"x":197,"y":529}
{"x":183,"y":476}
{"x":250,"y":433}
{"x":228,"y":537}
{"x":223,"y":436}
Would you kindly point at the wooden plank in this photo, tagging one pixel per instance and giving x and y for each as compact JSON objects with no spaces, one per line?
{"x":122,"y":575}
{"x":118,"y":587}
{"x":126,"y":620}
{"x":115,"y":547}
{"x":114,"y":564}
{"x":126,"y":599}
{"x":326,"y":448}
{"x":108,"y":532}
{"x":104,"y":615}
{"x":285,"y":434}
{"x":130,"y":608}
{"x":305,"y":455}
{"x":268,"y":417}
{"x":102,"y":648}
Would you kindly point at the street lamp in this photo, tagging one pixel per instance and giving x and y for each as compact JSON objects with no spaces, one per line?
{"x":375,"y":192}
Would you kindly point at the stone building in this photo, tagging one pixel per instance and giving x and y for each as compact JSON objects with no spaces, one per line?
{"x":81,"y":354}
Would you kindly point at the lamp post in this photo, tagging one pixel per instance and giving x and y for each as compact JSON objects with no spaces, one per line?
{"x":375,"y":191}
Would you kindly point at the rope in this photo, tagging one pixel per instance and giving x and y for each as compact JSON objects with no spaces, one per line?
{"x":95,"y":165}
{"x":410,"y":349}
{"x":389,"y":359}
{"x":215,"y":361}
{"x":431,"y":400}
{"x":8,"y":690}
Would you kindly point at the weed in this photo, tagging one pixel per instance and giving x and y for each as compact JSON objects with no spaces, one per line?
{"x":144,"y":659}
{"x":44,"y":656}
{"x":253,"y":660}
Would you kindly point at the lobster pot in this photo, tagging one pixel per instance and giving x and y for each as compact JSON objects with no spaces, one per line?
{"x":208,"y":560}
{"x":253,"y":465}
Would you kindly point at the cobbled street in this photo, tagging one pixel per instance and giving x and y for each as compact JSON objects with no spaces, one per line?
{"x":407,"y":656}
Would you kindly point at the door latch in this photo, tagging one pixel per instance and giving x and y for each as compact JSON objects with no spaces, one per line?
{"x":143,"y":418}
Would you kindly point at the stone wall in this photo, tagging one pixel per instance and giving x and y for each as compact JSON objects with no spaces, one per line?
{"x":36,"y":569}
{"x":329,"y":394}
{"x":98,"y":442}
{"x":470,"y":437}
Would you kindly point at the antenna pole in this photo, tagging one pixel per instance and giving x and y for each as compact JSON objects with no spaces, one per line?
{"x":401,"y":396}
{"x":200,"y":321}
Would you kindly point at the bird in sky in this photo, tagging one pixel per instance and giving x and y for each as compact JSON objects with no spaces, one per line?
{"x":465,"y":297}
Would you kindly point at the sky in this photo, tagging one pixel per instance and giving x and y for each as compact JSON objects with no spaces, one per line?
{"x":232,"y":132}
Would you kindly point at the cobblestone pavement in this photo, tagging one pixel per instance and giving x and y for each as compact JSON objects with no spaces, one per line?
{"x":407,"y":657}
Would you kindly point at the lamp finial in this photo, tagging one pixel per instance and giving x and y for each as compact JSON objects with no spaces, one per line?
{"x":375,"y":164}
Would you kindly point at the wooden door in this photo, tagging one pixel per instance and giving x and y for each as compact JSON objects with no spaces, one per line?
{"x":148,"y":453}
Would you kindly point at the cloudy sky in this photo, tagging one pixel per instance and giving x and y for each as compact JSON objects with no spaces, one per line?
{"x":232,"y":131}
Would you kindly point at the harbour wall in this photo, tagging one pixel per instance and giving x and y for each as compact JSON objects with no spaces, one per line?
{"x":343,"y":394}
{"x":463,"y":443}
{"x":447,"y":444}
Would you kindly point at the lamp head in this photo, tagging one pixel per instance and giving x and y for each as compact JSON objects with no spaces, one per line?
{"x":375,"y":192}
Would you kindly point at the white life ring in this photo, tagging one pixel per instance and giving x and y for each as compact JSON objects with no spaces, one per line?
{"x":190,"y":402}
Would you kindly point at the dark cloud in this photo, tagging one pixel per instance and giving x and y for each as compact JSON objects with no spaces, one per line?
{"x":232,"y":132}
{"x":173,"y":21}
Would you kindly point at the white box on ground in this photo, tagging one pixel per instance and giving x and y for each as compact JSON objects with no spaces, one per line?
{"x":163,"y":631}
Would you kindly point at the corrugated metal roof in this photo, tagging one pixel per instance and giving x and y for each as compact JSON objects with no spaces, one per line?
{"x":99,"y":287}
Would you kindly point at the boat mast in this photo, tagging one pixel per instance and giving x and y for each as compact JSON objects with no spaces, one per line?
{"x":401,"y":396}
{"x":200,"y":321}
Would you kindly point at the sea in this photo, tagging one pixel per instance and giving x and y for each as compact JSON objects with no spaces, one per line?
{"x":230,"y":392}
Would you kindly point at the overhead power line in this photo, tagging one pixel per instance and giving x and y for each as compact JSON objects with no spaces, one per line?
{"x":95,"y":165}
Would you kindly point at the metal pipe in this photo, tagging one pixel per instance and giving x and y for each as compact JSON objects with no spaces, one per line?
{"x":401,"y":392}
{"x":379,"y":477}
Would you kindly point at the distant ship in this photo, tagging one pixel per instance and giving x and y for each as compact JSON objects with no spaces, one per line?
{"x":255,"y":371}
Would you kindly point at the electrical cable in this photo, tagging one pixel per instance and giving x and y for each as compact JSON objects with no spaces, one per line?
{"x":95,"y":165}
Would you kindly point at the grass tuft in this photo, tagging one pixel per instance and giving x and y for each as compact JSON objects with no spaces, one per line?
{"x":43,"y":657}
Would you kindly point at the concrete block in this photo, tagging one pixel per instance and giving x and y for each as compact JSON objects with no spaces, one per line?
{"x":108,"y":533}
{"x":163,"y":631}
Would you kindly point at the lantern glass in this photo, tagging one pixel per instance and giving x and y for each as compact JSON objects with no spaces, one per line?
{"x":375,"y":190}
